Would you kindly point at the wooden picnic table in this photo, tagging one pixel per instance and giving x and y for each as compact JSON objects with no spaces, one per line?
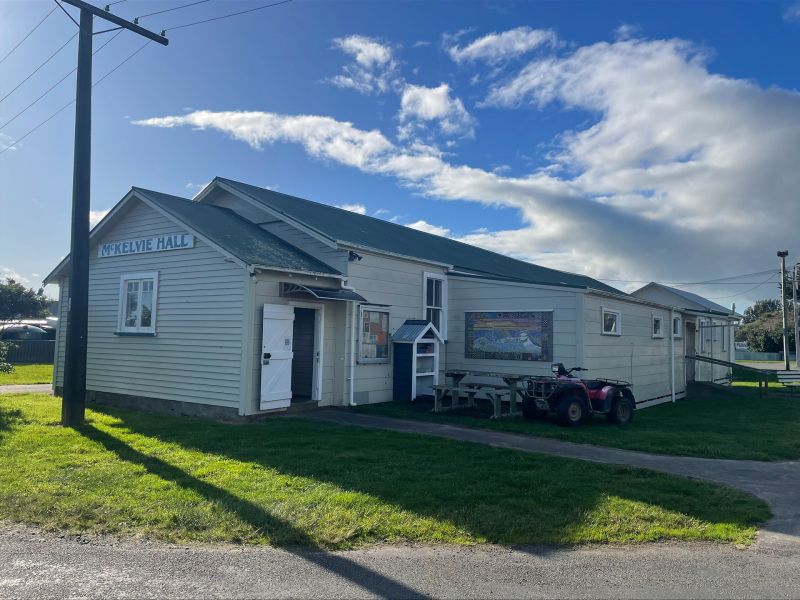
{"x":471,"y":389}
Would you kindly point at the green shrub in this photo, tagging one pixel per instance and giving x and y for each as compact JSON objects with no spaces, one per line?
{"x":5,"y":366}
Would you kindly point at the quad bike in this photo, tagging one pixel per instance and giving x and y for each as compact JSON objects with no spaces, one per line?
{"x":574,"y":400}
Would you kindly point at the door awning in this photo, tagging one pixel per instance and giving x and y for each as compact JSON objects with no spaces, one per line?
{"x":295,"y":290}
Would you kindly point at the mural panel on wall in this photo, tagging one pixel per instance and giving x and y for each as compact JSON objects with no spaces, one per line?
{"x":509,"y":335}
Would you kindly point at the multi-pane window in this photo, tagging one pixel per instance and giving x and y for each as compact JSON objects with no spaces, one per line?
{"x":612,"y":322}
{"x":138,"y":303}
{"x":436,"y":302}
{"x":658,"y":327}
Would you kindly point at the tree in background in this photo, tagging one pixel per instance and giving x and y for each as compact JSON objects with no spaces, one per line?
{"x":762,"y":327}
{"x":18,"y":302}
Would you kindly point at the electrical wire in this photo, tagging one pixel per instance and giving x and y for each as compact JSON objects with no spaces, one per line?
{"x":71,"y":102}
{"x":720,"y":281}
{"x":54,"y":86}
{"x":35,"y":27}
{"x":747,"y":291}
{"x":241,"y":12}
{"x":36,"y":70}
{"x":166,"y":10}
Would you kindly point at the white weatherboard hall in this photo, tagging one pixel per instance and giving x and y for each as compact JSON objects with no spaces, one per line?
{"x":244,"y":301}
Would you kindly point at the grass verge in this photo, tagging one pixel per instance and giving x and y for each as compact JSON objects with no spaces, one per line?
{"x":710,"y":425}
{"x":291,"y":482}
{"x":25,"y":374}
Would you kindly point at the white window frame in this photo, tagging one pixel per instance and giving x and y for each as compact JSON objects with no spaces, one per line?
{"x":425,"y":306}
{"x":679,"y":333}
{"x":380,"y":309}
{"x":603,"y":312}
{"x":124,"y":278}
{"x":706,"y":326}
{"x":660,"y":334}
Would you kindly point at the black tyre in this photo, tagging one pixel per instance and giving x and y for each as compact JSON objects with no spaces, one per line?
{"x":572,"y":411}
{"x":621,"y":410}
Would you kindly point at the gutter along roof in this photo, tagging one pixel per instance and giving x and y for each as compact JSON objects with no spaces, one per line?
{"x":349,"y":228}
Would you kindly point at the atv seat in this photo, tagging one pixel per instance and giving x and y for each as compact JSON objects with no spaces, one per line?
{"x":593,"y":384}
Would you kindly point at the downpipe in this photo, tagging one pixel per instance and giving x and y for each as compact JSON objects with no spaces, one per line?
{"x":672,"y":352}
{"x":353,"y":318}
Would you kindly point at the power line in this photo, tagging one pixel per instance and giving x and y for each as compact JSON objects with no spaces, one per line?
{"x":35,"y":27}
{"x":720,"y":281}
{"x":166,"y":10}
{"x":744,"y":292}
{"x":36,"y":70}
{"x":54,"y":86}
{"x":241,"y":12}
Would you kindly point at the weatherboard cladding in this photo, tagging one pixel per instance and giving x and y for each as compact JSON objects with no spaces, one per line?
{"x":241,"y":238}
{"x":361,"y":230}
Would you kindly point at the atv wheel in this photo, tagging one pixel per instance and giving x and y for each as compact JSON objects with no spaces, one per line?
{"x":621,"y":410}
{"x":572,"y":411}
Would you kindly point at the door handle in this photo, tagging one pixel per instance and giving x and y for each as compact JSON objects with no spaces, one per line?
{"x":265,"y":358}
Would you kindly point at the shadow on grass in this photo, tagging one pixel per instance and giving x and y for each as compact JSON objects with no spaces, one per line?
{"x":9,"y":419}
{"x":501,"y":496}
{"x":257,"y":517}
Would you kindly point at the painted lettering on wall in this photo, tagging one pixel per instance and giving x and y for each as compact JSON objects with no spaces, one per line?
{"x":176,"y":241}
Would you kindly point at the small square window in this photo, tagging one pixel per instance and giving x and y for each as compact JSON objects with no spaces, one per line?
{"x":612,"y":322}
{"x":658,"y":327}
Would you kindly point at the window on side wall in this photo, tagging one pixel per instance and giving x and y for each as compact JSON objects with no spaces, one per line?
{"x":706,"y":333}
{"x":137,"y":303}
{"x":435,"y":301}
{"x":611,"y":322}
{"x":677,"y":327}
{"x":373,"y":343}
{"x":658,"y":327}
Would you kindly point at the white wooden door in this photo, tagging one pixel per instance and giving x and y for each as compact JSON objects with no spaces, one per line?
{"x":276,"y":356}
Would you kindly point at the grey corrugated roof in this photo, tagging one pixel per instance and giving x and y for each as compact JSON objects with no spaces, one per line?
{"x":243,"y":239}
{"x":410,"y":330}
{"x":699,"y":302}
{"x":361,"y":230}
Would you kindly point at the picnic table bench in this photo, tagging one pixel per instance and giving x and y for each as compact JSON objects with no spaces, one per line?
{"x":493,"y":391}
{"x":789,"y":379}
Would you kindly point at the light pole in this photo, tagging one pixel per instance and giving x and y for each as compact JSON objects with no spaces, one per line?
{"x":782,"y":254}
{"x":795,"y":273}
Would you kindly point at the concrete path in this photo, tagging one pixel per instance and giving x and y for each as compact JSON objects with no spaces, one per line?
{"x":776,"y":483}
{"x":40,"y":565}
{"x":35,"y":388}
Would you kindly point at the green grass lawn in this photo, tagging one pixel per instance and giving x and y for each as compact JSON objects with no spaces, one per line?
{"x":713,"y":426}
{"x":291,"y":482}
{"x":24,"y":374}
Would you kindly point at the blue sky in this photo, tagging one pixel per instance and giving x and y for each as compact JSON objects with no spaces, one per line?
{"x":629,"y":141}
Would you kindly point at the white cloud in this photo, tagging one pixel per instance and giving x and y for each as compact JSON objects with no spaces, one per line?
{"x":95,"y":216}
{"x":196,"y":188}
{"x":627,"y":31}
{"x":792,"y":13}
{"x":429,"y":228}
{"x":10,"y":273}
{"x":420,"y":104}
{"x":7,"y":143}
{"x":356,"y":208}
{"x":683,"y":174}
{"x":374,"y":68}
{"x":497,"y":47}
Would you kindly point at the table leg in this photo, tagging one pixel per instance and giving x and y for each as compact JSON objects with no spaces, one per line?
{"x":498,"y":407}
{"x":437,"y":400}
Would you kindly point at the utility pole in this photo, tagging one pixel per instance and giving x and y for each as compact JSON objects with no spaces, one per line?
{"x":795,"y":281}
{"x":782,"y":254}
{"x":74,"y":401}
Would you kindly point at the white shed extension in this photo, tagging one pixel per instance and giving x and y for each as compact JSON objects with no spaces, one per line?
{"x":247,"y":301}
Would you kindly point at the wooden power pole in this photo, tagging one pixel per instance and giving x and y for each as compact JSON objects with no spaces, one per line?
{"x":74,"y":401}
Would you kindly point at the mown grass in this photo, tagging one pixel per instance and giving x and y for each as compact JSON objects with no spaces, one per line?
{"x":711,"y":425}
{"x":290,"y":482}
{"x":25,"y":374}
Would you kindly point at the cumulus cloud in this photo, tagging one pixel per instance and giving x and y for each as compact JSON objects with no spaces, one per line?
{"x":95,"y":216}
{"x":10,"y":273}
{"x":356,"y":208}
{"x":682,"y":173}
{"x":496,"y":47}
{"x":429,"y":228}
{"x":374,"y":68}
{"x":792,"y":13}
{"x":420,"y":104}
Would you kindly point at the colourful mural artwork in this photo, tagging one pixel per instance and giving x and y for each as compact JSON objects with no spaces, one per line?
{"x":509,"y":335}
